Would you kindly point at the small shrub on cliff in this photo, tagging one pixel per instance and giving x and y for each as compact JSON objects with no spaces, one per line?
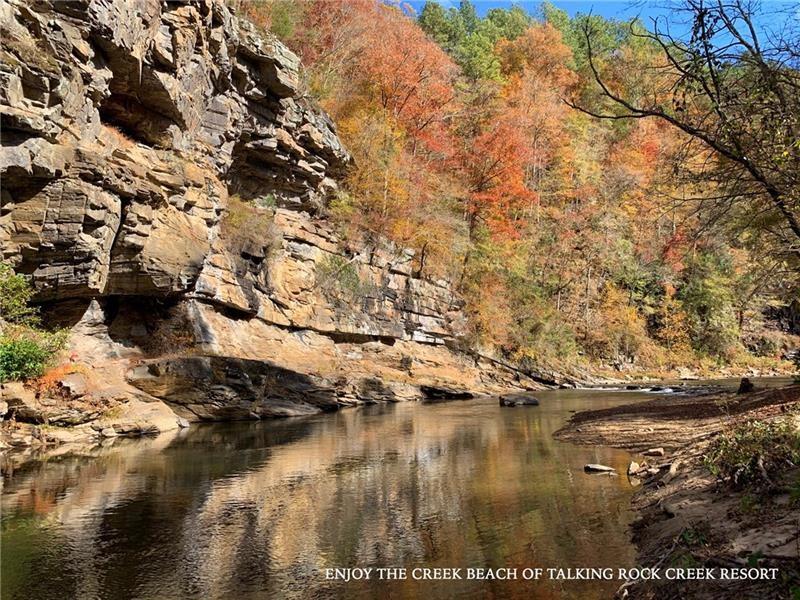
{"x":22,"y":358}
{"x":25,"y":349}
{"x":248,"y":229}
{"x":336,"y":273}
{"x":15,"y":294}
{"x":278,"y":16}
{"x":751,"y":451}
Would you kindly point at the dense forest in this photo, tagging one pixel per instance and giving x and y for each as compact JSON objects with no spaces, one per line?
{"x":602,"y":192}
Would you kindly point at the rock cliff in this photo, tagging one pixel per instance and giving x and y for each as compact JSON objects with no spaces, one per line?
{"x":164,"y":182}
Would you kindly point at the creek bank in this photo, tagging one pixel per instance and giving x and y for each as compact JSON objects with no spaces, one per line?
{"x":685,"y":516}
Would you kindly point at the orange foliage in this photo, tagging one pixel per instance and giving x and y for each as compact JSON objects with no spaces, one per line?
{"x":496,"y":168}
{"x":540,"y":52}
{"x":50,"y":381}
{"x":410,"y":77}
{"x":555,"y":223}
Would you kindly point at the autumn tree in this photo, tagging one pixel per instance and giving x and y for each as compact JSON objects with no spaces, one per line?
{"x":734,"y":89}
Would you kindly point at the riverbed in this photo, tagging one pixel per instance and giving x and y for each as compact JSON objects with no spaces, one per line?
{"x":262,"y":510}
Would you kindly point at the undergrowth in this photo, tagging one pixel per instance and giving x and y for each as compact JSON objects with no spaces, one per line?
{"x":752,"y":451}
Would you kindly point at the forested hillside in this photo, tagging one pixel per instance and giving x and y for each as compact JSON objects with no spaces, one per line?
{"x":621,"y":242}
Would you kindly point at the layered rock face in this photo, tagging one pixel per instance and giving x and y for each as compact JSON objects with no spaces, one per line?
{"x":125,"y":127}
{"x":164,"y":180}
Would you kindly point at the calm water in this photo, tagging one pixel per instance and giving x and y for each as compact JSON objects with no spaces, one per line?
{"x":260,"y":510}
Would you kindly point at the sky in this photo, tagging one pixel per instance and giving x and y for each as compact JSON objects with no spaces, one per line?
{"x":774,"y":11}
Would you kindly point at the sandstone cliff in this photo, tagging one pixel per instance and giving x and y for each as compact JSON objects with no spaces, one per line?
{"x":164,"y":180}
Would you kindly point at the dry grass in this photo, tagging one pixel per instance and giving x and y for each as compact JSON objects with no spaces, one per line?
{"x":248,"y":230}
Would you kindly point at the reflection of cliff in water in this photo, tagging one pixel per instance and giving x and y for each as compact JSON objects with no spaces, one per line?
{"x":259,"y":510}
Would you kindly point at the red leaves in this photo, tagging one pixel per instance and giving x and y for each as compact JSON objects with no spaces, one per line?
{"x":373,"y":56}
{"x":495,"y":166}
{"x":675,"y":250}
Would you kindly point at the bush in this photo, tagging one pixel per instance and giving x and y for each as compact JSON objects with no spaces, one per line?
{"x":25,"y":350}
{"x":749,"y":452}
{"x":15,"y":293}
{"x":22,"y":359}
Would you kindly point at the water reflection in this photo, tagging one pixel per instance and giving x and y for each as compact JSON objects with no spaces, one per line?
{"x":260,"y":510}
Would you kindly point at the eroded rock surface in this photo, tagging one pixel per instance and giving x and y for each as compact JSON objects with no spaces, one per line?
{"x":125,"y":127}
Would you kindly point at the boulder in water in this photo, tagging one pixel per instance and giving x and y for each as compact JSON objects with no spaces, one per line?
{"x":433,"y":394}
{"x":510,"y":400}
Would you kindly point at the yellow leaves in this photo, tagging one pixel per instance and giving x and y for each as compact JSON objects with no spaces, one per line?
{"x":376,"y":143}
{"x":492,"y":313}
{"x":672,"y":324}
{"x":617,"y":328}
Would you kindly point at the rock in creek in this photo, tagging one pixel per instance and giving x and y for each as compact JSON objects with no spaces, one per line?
{"x":433,"y":394}
{"x":596,"y":468}
{"x":746,"y":386}
{"x":654,"y":452}
{"x":522,"y":399}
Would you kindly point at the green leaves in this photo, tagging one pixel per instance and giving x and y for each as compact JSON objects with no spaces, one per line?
{"x":749,"y":452}
{"x":471,"y":40}
{"x":475,"y":54}
{"x":25,"y":349}
{"x":338,"y":276}
{"x":15,"y":293}
{"x":707,"y":297}
{"x":21,"y":358}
